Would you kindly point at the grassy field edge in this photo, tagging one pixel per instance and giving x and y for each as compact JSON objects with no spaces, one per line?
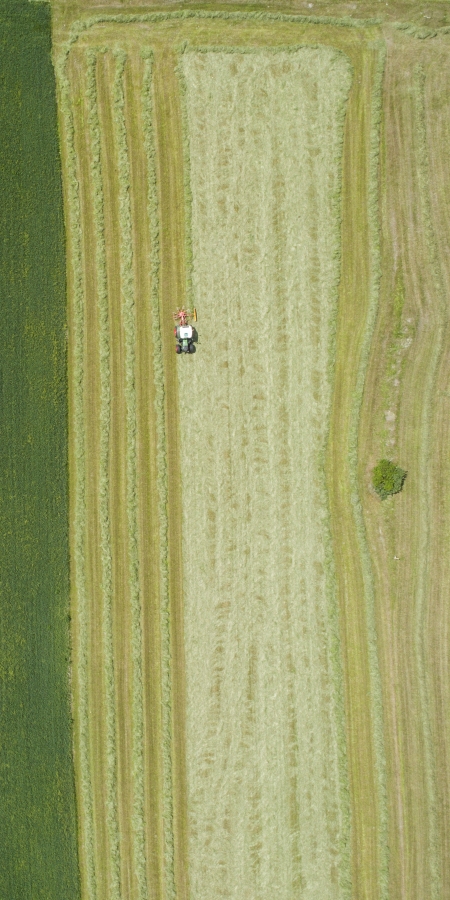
{"x":105,"y":427}
{"x":78,"y":485}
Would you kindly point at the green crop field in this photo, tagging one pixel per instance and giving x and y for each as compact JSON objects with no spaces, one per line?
{"x":37,"y":806}
{"x":259,"y":663}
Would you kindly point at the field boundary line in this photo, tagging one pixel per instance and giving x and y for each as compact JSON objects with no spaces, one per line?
{"x":162,"y":478}
{"x":74,"y":216}
{"x":127,"y":294}
{"x":425,"y":453}
{"x":376,"y":700}
{"x":105,"y":424}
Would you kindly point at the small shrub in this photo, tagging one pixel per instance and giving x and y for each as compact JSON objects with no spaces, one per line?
{"x":387,"y":478}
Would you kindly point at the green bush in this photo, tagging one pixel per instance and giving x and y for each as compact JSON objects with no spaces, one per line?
{"x":387,"y":478}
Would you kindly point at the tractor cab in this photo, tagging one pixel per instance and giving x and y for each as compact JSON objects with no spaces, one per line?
{"x":185,"y":334}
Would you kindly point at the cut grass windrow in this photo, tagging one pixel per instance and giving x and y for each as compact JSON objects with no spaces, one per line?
{"x":374,"y":668}
{"x":128,"y":308}
{"x":166,"y":686}
{"x":81,"y":663}
{"x":105,"y":429}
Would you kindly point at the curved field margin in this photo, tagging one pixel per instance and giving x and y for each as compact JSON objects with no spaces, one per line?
{"x":265,"y":133}
{"x":404,"y":416}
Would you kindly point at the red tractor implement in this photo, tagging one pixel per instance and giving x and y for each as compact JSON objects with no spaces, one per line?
{"x":185,"y":334}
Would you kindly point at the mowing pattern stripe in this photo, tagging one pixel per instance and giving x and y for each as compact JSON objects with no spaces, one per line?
{"x":166,"y":687}
{"x":76,"y":289}
{"x":128,"y":306}
{"x":265,"y":241}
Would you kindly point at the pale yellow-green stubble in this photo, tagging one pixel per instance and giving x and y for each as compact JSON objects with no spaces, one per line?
{"x":111,"y":812}
{"x":80,"y":598}
{"x":261,"y":738}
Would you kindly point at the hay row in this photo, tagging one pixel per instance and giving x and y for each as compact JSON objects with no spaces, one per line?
{"x":85,"y":797}
{"x":437,"y":131}
{"x":80,"y":26}
{"x":105,"y":429}
{"x":129,"y":325}
{"x":376,"y":701}
{"x":162,"y":485}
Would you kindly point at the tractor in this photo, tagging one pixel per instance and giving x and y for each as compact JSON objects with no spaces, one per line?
{"x":186,"y":336}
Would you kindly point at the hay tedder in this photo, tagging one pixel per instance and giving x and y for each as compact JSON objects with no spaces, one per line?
{"x":185,"y":334}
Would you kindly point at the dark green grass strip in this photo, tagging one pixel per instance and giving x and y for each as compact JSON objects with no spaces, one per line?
{"x":37,"y":799}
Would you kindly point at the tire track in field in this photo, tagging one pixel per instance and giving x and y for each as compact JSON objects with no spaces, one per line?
{"x":80,"y":601}
{"x":225,"y":792}
{"x":112,"y":864}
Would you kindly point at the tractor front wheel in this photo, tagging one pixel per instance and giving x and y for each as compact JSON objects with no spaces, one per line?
{"x":177,"y":349}
{"x":192,"y":348}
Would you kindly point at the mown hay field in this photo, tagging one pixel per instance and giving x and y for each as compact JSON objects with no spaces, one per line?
{"x":259,"y":657}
